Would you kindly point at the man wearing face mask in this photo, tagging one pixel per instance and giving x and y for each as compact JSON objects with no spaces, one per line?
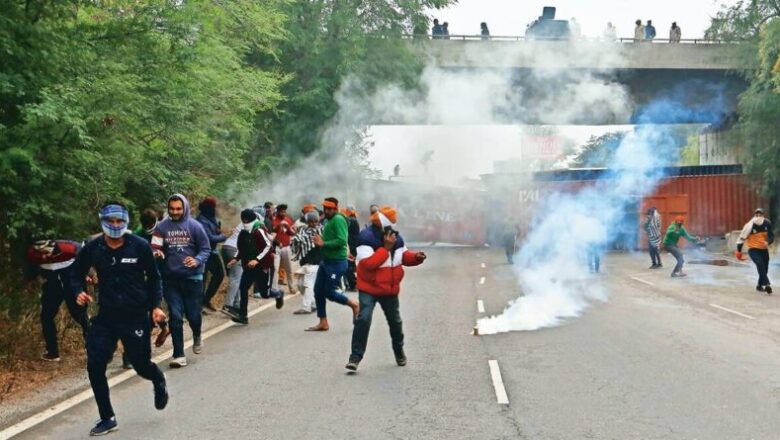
{"x":184,"y":245}
{"x":256,"y":254}
{"x":758,"y":235}
{"x":129,"y":301}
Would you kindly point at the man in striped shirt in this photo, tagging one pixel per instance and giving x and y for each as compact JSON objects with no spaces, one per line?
{"x":652,"y":227}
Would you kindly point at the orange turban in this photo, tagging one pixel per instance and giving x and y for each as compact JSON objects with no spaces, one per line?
{"x":679,"y":219}
{"x":386,"y":216}
{"x":329,"y":204}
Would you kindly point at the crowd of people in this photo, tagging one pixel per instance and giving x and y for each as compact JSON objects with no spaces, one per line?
{"x":178,"y":262}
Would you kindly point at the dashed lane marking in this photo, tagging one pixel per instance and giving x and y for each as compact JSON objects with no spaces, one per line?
{"x":726,"y":309}
{"x":483,"y":265}
{"x":498,"y":383}
{"x":482,"y":280}
{"x":69,"y":403}
{"x":480,"y":306}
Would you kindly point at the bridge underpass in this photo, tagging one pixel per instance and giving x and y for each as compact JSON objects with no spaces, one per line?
{"x":700,"y":81}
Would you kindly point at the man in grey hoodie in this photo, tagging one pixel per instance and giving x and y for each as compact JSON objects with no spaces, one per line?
{"x":183,"y":243}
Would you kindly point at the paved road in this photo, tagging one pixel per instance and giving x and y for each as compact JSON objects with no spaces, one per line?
{"x":656,"y":361}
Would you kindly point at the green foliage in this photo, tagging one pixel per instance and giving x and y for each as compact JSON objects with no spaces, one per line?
{"x":599,"y":151}
{"x":689,"y":155}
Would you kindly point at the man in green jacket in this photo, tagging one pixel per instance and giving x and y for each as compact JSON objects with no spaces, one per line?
{"x":672,"y":237}
{"x":333,"y":245}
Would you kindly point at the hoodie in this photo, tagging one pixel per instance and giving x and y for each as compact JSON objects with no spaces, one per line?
{"x":379,"y":271}
{"x":208,"y":219}
{"x":181,"y":239}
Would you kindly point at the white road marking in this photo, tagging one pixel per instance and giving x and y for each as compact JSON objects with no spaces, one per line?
{"x":725,"y":309}
{"x":498,"y":383}
{"x":642,"y":281}
{"x":69,"y":403}
{"x":482,"y":280}
{"x":483,"y":265}
{"x":480,"y":306}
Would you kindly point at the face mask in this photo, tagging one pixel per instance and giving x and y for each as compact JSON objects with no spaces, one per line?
{"x":759,"y":220}
{"x":249,"y":226}
{"x":150,"y":231}
{"x":114,"y":231}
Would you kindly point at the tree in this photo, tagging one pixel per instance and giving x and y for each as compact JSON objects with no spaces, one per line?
{"x":599,"y":151}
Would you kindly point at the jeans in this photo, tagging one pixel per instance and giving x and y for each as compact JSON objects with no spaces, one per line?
{"x":185,"y":298}
{"x":262,"y":280}
{"x":101,"y":343}
{"x":216,"y":269}
{"x":327,"y":283}
{"x":390,"y":306}
{"x":761,"y":258}
{"x":55,"y":291}
{"x":655,"y":254}
{"x":234,"y":276}
{"x":675,"y":251}
{"x":351,"y":276}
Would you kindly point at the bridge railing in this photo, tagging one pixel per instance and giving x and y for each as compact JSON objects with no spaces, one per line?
{"x":591,"y":39}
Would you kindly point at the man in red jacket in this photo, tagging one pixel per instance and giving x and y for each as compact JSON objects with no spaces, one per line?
{"x":381,"y":255}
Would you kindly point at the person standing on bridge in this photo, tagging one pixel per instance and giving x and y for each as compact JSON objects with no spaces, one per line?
{"x":484,"y":31}
{"x":649,"y":31}
{"x":381,"y":257}
{"x":610,"y":33}
{"x":333,"y":247}
{"x":129,"y":301}
{"x":445,"y":30}
{"x":671,"y":240}
{"x":436,"y":32}
{"x":652,"y":228}
{"x":184,"y":245}
{"x":675,"y":33}
{"x":757,"y":234}
{"x":639,"y":32}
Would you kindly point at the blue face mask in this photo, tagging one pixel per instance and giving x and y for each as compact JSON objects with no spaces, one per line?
{"x":114,"y":212}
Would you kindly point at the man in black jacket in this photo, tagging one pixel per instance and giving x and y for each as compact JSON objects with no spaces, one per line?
{"x":130,"y":289}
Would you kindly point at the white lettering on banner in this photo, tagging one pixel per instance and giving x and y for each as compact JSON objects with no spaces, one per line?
{"x":439,"y":216}
{"x":528,"y":195}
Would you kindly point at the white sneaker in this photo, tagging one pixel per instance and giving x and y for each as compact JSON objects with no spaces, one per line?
{"x":178,"y":362}
{"x":197,"y":346}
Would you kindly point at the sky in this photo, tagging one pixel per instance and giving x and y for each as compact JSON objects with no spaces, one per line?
{"x":510,"y":17}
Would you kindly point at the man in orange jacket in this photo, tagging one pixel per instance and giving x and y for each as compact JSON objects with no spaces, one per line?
{"x":381,"y":255}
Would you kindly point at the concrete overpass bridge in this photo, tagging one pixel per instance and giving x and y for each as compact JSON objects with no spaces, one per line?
{"x":699,"y":79}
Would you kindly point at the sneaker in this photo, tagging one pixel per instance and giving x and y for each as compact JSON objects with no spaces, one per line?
{"x":178,"y":362}
{"x":352,"y":365}
{"x":243,"y":320}
{"x":280,"y":301}
{"x":229,"y":311}
{"x":302,"y":312}
{"x":160,"y":395}
{"x":50,"y":357}
{"x":257,"y":295}
{"x":103,"y":427}
{"x":654,"y":266}
{"x":400,"y":358}
{"x":759,"y":288}
{"x":197,"y":345}
{"x":126,"y":365}
{"x":768,"y":290}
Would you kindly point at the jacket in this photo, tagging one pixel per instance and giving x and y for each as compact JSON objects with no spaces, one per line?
{"x":756,"y":236}
{"x":255,"y":245}
{"x":179,"y":240}
{"x":379,"y":271}
{"x":211,"y":227}
{"x":283,"y":234}
{"x":130,"y":284}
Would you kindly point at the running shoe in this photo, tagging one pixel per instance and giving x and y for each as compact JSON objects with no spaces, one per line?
{"x":103,"y":427}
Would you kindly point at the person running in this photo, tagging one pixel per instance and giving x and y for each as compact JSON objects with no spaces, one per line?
{"x":285,"y":230}
{"x":757,"y":234}
{"x":309,"y":256}
{"x":129,"y":301}
{"x":256,"y":254}
{"x":671,"y":239}
{"x":353,"y":236}
{"x":207,"y":217}
{"x":333,"y":245}
{"x":184,"y":245}
{"x":229,"y":251}
{"x":53,"y":260}
{"x":652,"y":228}
{"x":381,"y":257}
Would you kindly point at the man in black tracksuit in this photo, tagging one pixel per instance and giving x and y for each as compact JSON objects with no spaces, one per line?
{"x":130,"y":289}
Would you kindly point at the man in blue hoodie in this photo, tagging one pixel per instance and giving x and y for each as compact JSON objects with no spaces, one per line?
{"x":184,"y":245}
{"x":207,"y":217}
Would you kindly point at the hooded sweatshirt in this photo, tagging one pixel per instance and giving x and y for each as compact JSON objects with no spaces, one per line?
{"x":379,"y":271}
{"x":181,"y":239}
{"x":208,"y":219}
